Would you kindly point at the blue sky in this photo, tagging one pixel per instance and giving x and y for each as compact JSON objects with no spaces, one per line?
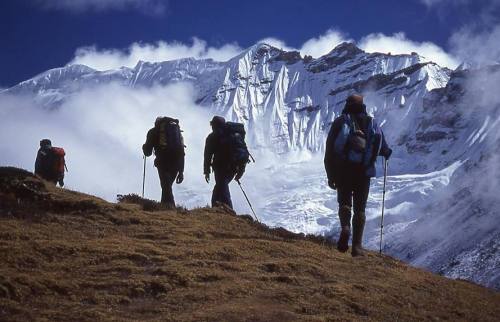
{"x":41,"y":34}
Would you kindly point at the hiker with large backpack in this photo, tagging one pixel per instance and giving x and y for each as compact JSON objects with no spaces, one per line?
{"x":354,"y":142}
{"x":50,"y":163}
{"x":166,"y":140}
{"x":227,"y":154}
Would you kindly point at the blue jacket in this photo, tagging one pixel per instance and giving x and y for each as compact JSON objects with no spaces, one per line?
{"x":334,"y":163}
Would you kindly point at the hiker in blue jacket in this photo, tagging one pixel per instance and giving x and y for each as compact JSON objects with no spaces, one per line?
{"x":353,"y":144}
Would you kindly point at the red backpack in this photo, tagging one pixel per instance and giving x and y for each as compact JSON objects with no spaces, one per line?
{"x":59,"y":163}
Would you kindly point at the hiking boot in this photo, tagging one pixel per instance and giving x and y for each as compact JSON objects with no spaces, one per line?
{"x":343,"y":242}
{"x":345,"y":223}
{"x":358,"y":225}
{"x":169,"y":205}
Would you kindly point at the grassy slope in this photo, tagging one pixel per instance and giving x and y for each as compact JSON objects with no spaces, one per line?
{"x":70,"y":257}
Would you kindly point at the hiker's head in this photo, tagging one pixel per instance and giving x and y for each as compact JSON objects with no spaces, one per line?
{"x":354,"y":99}
{"x":45,"y":143}
{"x":217,"y":122}
{"x":354,"y":104}
{"x":158,"y":120}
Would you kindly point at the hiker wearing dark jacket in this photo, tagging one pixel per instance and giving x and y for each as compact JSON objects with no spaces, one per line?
{"x":169,"y":162}
{"x":219,"y":161}
{"x":44,"y":163}
{"x":351,"y":179}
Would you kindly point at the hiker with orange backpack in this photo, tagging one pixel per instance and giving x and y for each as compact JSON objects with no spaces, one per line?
{"x":50,"y":163}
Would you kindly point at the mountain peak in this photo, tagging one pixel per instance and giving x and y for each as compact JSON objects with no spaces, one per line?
{"x":260,"y":49}
{"x":345,"y":48}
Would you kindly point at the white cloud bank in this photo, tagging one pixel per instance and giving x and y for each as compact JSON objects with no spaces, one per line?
{"x":103,"y":140}
{"x":316,"y":46}
{"x":477,"y":48}
{"x":104,"y":59}
{"x":154,"y":7}
{"x":398,"y":43}
{"x":161,"y":51}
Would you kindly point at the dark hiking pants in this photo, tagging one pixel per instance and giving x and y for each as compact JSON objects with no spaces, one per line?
{"x":167,"y":178}
{"x":352,"y":191}
{"x":221,"y":192}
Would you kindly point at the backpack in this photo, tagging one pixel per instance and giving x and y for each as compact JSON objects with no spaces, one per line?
{"x":169,"y":135}
{"x":355,"y":145}
{"x":232,"y":142}
{"x":58,"y":162}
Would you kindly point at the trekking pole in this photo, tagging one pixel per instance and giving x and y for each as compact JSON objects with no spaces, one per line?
{"x":246,"y":197}
{"x":143,"y":176}
{"x":251,"y":157}
{"x":383,"y":204}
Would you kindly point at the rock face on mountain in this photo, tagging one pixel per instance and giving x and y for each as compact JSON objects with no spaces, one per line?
{"x":67,"y":256}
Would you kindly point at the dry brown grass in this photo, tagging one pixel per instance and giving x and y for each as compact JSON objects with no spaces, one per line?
{"x":67,"y":256}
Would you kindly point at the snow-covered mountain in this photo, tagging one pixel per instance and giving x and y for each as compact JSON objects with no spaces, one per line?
{"x":442,"y":207}
{"x":455,"y":230}
{"x":286,"y":101}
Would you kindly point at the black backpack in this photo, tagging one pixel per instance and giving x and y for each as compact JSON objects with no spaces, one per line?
{"x":169,"y":135}
{"x":232,"y":141}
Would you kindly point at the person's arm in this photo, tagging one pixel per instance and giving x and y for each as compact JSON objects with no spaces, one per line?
{"x":38,"y":163}
{"x":147,"y":148}
{"x":208,"y":154}
{"x":329,"y":149}
{"x":181,"y":160}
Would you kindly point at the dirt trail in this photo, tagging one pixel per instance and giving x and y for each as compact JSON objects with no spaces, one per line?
{"x":67,"y":256}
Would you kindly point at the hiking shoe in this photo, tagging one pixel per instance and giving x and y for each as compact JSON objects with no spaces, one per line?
{"x":358,"y":225}
{"x":357,"y":250}
{"x":343,"y":242}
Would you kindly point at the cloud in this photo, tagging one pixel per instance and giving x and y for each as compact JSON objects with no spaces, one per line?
{"x":477,"y":48}
{"x":433,"y":3}
{"x":103,"y":140}
{"x":323,"y":44}
{"x":154,"y":7}
{"x":104,"y":59}
{"x":160,"y":51}
{"x":316,"y":46}
{"x":398,"y":43}
{"x":276,"y":43}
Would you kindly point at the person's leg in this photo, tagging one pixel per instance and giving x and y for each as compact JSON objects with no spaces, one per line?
{"x":167,"y":179}
{"x":226,"y":192}
{"x":216,"y":192}
{"x":361,"y":190}
{"x":221,"y":191}
{"x":344,"y":198}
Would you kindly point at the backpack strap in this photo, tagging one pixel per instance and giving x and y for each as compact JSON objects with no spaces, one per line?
{"x":355,"y":124}
{"x":347,"y":120}
{"x":373,"y":142}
